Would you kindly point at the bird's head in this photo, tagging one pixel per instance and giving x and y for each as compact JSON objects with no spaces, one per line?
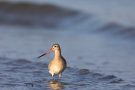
{"x":55,"y":47}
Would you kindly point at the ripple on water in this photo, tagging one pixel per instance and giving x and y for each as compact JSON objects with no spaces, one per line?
{"x":19,"y":62}
{"x":83,"y":71}
{"x":35,"y":76}
{"x":108,"y":77}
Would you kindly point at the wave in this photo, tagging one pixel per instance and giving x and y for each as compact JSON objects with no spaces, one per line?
{"x":51,"y":16}
{"x":44,"y":15}
{"x":116,"y":29}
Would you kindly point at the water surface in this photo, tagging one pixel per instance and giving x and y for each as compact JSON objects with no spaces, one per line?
{"x":100,"y":53}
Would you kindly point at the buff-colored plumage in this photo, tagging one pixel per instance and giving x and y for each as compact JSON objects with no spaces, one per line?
{"x":58,"y":63}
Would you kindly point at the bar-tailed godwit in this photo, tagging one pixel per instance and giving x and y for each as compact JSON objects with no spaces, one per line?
{"x":58,"y":64}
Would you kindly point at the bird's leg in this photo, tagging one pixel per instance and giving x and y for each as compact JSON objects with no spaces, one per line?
{"x":60,"y":75}
{"x":52,"y":74}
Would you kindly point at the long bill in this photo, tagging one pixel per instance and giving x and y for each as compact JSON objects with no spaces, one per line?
{"x":44,"y":53}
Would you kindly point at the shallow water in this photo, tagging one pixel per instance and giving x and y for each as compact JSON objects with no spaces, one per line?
{"x":94,"y":61}
{"x":23,"y":74}
{"x":100,"y":55}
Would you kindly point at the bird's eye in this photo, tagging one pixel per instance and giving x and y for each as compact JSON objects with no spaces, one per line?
{"x":55,"y":46}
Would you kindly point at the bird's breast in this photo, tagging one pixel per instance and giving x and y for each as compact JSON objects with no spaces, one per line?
{"x":56,"y":66}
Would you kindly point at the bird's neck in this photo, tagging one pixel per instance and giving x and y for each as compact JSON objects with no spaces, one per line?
{"x":57,"y":54}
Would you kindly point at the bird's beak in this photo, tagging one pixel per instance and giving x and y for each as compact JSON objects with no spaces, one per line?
{"x":50,"y":50}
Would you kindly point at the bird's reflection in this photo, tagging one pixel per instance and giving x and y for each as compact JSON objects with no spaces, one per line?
{"x":55,"y":85}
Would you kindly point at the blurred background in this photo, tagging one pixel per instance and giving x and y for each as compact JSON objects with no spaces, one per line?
{"x":96,"y":35}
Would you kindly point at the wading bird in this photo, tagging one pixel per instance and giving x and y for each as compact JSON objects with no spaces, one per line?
{"x":58,"y":64}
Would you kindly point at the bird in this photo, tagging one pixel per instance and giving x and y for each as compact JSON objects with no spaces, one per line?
{"x":58,"y":64}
